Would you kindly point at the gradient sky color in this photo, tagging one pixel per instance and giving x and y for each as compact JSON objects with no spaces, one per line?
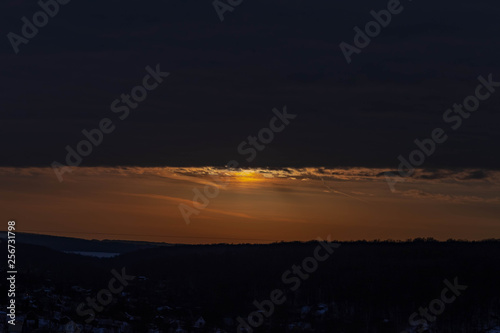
{"x":256,"y":205}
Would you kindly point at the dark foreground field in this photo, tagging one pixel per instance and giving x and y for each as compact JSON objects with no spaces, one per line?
{"x":367,"y":287}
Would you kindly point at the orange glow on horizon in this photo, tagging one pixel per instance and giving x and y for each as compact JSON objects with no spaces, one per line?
{"x":257,"y":205}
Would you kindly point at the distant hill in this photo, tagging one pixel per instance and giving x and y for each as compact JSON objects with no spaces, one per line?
{"x":69,"y":244}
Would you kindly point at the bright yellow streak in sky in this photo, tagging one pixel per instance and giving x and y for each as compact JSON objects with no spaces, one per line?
{"x":247,"y":176}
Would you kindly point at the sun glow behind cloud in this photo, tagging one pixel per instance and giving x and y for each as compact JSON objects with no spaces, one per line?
{"x":247,"y":176}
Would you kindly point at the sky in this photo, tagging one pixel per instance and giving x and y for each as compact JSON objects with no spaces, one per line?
{"x":251,"y":205}
{"x":227,"y":80}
